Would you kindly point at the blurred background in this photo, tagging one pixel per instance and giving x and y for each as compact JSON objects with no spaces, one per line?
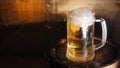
{"x":30,"y":28}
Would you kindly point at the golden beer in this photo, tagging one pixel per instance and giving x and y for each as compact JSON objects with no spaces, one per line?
{"x":80,"y":35}
{"x":80,"y":43}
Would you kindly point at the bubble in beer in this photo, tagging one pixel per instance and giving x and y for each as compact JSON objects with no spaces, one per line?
{"x":82,"y":17}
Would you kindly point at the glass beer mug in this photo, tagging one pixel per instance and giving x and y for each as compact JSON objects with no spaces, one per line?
{"x":80,"y":35}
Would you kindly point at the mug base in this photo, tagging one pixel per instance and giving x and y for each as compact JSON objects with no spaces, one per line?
{"x":104,"y":56}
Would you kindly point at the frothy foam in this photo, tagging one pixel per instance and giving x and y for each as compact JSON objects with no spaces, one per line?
{"x":82,"y":17}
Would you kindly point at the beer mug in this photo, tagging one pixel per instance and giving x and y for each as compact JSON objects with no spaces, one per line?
{"x":80,"y":35}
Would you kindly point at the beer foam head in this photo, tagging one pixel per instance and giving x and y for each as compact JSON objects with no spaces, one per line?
{"x":82,"y":17}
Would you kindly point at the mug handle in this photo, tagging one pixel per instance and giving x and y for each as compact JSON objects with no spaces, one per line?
{"x":104,"y":33}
